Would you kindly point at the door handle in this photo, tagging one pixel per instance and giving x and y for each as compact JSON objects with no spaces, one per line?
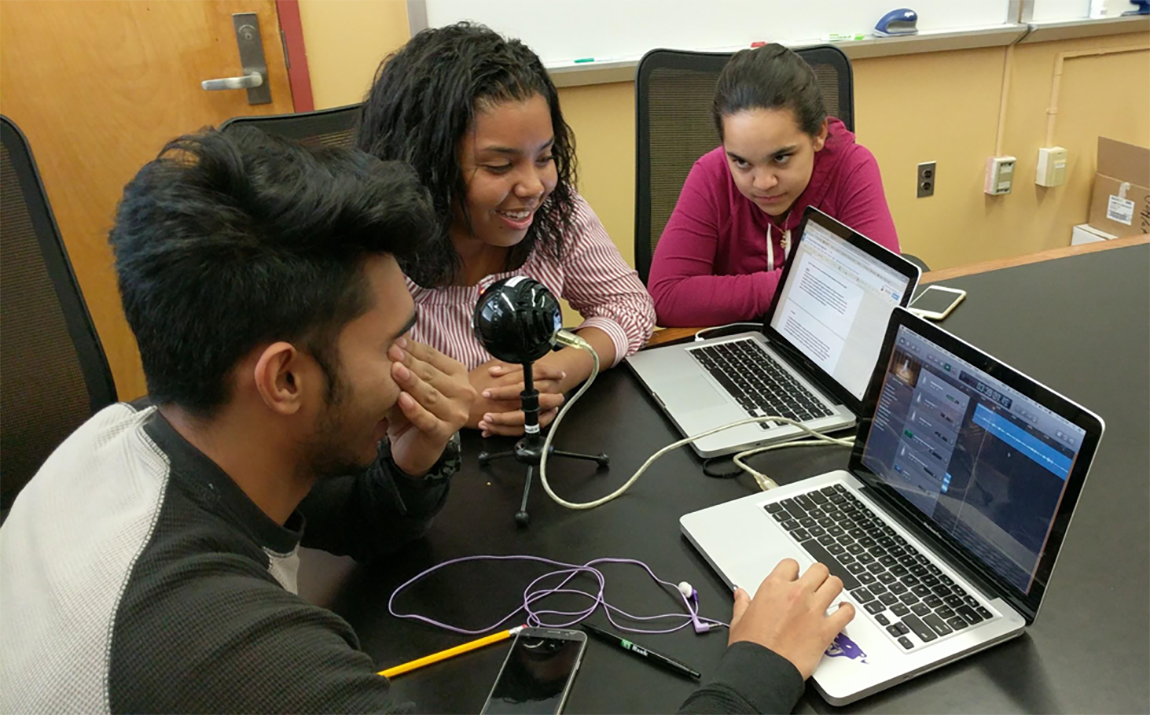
{"x":248,"y":81}
{"x":255,"y":67}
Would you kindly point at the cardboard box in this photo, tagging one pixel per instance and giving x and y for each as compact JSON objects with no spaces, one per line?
{"x":1085,"y":233}
{"x":1120,"y":204}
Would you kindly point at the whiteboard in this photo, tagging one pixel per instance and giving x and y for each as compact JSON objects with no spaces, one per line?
{"x":562,"y":31}
{"x":1062,"y":10}
{"x":1056,"y":10}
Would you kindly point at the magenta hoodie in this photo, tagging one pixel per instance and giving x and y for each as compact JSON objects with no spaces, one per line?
{"x":710,"y":266}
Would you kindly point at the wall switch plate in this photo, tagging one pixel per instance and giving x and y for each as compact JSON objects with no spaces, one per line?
{"x":999,"y":175}
{"x":1051,"y":166}
{"x":926,"y":174}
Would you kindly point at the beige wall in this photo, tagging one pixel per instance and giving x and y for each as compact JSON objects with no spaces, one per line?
{"x":1101,"y":96}
{"x":947,"y":109}
{"x":345,"y":41}
{"x":941,"y":107}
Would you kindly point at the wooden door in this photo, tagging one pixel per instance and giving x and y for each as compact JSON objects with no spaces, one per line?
{"x":99,"y":86}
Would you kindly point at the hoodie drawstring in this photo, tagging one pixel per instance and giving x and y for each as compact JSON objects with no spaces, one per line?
{"x":771,"y":249}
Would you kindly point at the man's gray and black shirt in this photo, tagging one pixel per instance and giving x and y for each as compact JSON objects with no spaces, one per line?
{"x":138,"y":577}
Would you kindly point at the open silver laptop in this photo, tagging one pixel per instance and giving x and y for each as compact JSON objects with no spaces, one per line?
{"x":810,"y":362}
{"x":945,"y":528}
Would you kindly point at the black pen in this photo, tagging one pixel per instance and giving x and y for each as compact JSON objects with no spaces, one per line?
{"x":651,"y":656}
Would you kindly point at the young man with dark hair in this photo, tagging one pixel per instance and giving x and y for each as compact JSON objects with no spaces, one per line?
{"x":150,"y":565}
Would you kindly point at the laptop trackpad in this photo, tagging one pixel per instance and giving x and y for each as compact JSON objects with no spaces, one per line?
{"x":692,"y":393}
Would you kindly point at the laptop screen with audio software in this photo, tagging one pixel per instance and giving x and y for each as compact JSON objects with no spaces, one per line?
{"x":986,"y":464}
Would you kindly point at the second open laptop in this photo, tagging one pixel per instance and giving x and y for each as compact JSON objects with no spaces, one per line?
{"x":810,"y":362}
{"x":947,"y":523}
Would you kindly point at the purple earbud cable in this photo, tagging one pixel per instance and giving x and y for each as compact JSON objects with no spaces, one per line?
{"x":536,"y":592}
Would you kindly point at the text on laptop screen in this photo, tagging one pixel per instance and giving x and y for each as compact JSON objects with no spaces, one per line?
{"x":835,"y":306}
{"x":984,"y":463}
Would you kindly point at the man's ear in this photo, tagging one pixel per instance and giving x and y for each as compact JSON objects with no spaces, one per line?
{"x":821,"y":137}
{"x":279,"y":378}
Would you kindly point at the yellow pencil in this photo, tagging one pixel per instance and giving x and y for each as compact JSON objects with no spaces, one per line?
{"x":449,"y":653}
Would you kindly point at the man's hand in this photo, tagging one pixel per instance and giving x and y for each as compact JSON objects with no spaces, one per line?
{"x":434,"y":403}
{"x":788,"y":614}
{"x":498,"y":410}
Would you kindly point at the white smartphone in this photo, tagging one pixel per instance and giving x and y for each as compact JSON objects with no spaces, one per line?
{"x":538,"y":672}
{"x":936,"y":302}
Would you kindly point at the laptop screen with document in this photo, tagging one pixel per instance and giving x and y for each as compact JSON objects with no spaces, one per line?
{"x":982,"y":459}
{"x":835,"y":301}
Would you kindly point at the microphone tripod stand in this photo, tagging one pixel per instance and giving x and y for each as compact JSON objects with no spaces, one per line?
{"x":529,"y":450}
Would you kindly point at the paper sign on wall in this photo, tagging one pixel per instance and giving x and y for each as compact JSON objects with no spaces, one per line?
{"x":1120,"y":210}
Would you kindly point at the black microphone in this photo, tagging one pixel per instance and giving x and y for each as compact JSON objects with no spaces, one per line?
{"x":517,"y":320}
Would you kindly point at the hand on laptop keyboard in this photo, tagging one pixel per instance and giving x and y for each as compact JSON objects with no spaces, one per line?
{"x":789,"y":614}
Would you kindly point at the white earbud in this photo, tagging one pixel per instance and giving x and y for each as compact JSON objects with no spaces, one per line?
{"x":686,"y":589}
{"x":691,"y":596}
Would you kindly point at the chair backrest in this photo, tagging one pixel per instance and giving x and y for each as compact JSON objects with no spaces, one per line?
{"x":674,"y":91}
{"x":329,"y":127}
{"x":53,"y":372}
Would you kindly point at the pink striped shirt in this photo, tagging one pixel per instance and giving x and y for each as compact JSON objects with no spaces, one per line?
{"x":592,"y":276}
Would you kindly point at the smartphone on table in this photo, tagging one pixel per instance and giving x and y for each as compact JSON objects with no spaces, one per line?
{"x":936,"y":302}
{"x":538,"y":672}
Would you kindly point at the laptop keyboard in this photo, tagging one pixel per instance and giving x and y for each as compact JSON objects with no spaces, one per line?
{"x":758,"y":382}
{"x":898,"y":587}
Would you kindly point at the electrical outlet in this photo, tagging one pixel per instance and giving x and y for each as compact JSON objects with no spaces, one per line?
{"x":926,"y":179}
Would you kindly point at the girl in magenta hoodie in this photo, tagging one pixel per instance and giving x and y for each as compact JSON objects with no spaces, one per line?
{"x":723,"y":249}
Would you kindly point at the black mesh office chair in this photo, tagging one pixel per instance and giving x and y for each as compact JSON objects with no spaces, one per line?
{"x":674,"y":91}
{"x":53,"y":372}
{"x":329,"y":127}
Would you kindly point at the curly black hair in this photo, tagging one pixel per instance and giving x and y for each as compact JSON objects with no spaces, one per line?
{"x":425,"y":98}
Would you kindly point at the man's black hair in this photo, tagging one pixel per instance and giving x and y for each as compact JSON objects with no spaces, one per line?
{"x":227,"y":241}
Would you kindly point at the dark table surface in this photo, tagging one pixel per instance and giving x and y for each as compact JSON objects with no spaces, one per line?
{"x":1081,"y":325}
